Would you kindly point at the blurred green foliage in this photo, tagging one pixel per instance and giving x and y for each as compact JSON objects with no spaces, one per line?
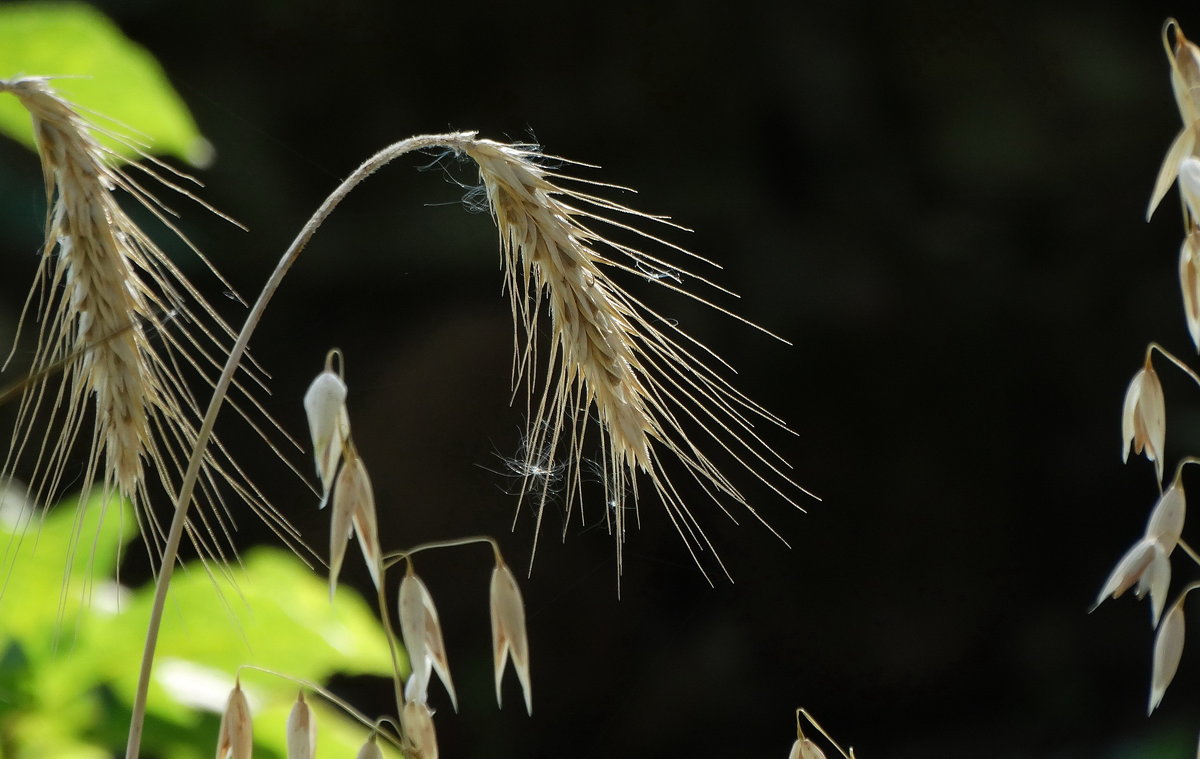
{"x":71,"y":639}
{"x":100,"y":70}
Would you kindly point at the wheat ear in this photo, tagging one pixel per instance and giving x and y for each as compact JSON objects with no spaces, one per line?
{"x":649,"y":386}
{"x":530,"y":208}
{"x":122,"y":322}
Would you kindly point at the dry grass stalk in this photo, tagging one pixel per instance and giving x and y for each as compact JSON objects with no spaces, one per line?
{"x":650,"y":389}
{"x":123,"y":322}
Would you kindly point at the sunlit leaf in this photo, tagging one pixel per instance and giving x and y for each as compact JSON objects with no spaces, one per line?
{"x":279,"y":617}
{"x":100,"y":70}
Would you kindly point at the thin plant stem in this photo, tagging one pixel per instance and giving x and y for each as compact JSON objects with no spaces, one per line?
{"x":393,"y":558}
{"x":391,"y":639}
{"x":374,"y":724}
{"x":183,"y":501}
{"x":1189,"y":550}
{"x":1171,"y":357}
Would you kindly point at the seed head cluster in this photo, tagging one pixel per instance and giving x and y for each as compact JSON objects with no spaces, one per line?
{"x":647,"y":386}
{"x":122,"y":335}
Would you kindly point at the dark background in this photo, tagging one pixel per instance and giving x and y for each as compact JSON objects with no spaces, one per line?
{"x":939,"y":203}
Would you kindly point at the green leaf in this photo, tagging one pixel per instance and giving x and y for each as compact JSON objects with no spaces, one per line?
{"x":113,"y":80}
{"x":277,"y":615}
{"x":57,"y":563}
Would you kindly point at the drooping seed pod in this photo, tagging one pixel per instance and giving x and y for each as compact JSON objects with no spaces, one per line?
{"x":235,"y":738}
{"x":508,"y":630}
{"x":301,"y":730}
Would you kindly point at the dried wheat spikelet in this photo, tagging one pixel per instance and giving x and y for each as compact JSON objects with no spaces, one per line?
{"x":650,"y":388}
{"x":128,"y":330}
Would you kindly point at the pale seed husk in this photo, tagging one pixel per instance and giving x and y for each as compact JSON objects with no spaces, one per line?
{"x":1168,"y":649}
{"x":508,"y":631}
{"x":235,"y":738}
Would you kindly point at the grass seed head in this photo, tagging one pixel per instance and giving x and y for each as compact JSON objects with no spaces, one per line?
{"x":417,"y":721}
{"x":1184,"y":58}
{"x":328,"y":424}
{"x":804,"y":748}
{"x":1168,"y":649}
{"x":1189,"y":283}
{"x":370,"y":750}
{"x":1166,"y":519}
{"x":421,"y":631}
{"x":609,"y":357}
{"x":508,"y":631}
{"x":366,"y":526}
{"x":413,"y":627}
{"x":125,"y":327}
{"x":1144,"y":420}
{"x":235,"y":738}
{"x":347,"y":494}
{"x":1189,"y":184}
{"x":301,"y":730}
{"x":1146,"y":565}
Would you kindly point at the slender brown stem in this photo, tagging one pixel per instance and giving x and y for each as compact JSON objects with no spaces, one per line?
{"x":179,"y":521}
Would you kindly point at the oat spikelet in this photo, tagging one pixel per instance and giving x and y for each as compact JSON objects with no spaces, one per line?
{"x":650,"y":390}
{"x":123,"y":323}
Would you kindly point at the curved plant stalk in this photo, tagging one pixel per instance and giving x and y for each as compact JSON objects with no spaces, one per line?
{"x":652,"y":389}
{"x":220,"y":389}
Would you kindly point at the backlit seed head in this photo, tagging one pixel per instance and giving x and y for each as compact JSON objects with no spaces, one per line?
{"x":1168,"y":648}
{"x":370,"y":750}
{"x":301,"y":731}
{"x":235,"y":739}
{"x":1189,"y":184}
{"x":422,"y":634}
{"x":1182,"y":146}
{"x":1166,"y":520}
{"x":1155,"y":580}
{"x":1147,"y":565}
{"x":328,"y":423}
{"x":362,"y":515}
{"x":412,"y":611}
{"x":417,"y":721}
{"x":804,"y":748}
{"x":1184,"y":57}
{"x":1144,"y":421}
{"x":508,"y":630}
{"x":345,"y":493}
{"x":1189,"y":283}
